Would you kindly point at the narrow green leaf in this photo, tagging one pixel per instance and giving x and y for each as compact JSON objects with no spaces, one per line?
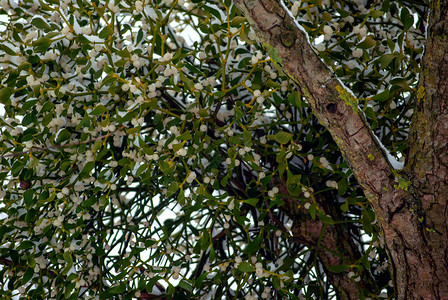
{"x":386,"y":59}
{"x":281,"y":137}
{"x":172,"y":189}
{"x":87,"y":168}
{"x":236,"y":21}
{"x":254,"y":245}
{"x":184,"y":136}
{"x":187,"y":81}
{"x":68,"y":259}
{"x":177,"y":147}
{"x":342,"y":186}
{"x":245,"y":267}
{"x":41,"y":24}
{"x":324,"y":218}
{"x":25,"y":245}
{"x":28,"y":197}
{"x":28,"y":275}
{"x":117,"y":289}
{"x":205,"y":244}
{"x":186,"y":285}
{"x":247,"y":139}
{"x":98,"y":110}
{"x":293,"y":184}
{"x":5,"y":95}
{"x":406,"y":18}
{"x":338,"y":268}
{"x":166,"y":167}
{"x":312,"y":210}
{"x":181,"y":198}
{"x":7,"y":49}
{"x":383,"y":96}
{"x":251,"y":201}
{"x":106,"y":32}
{"x":42,"y":44}
{"x":63,"y":136}
{"x":367,"y":43}
{"x":376,"y":13}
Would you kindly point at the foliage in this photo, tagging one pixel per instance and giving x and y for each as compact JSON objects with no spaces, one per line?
{"x":144,"y":144}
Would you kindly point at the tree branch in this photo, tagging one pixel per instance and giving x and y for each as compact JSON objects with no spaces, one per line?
{"x":333,"y":104}
{"x":333,"y":244}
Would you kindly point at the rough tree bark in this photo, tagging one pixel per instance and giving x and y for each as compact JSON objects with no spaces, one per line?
{"x":414,"y":219}
{"x":329,"y":246}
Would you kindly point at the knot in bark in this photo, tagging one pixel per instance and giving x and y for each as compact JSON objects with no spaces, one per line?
{"x":288,"y":38}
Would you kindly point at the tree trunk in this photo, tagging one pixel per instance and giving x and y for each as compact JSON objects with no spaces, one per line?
{"x":410,"y":206}
{"x":418,"y":237}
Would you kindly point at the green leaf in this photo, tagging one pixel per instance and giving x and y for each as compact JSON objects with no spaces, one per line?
{"x":205,"y":243}
{"x":247,"y":140}
{"x":42,"y":44}
{"x":30,"y":103}
{"x":367,"y":218}
{"x":166,"y":167}
{"x":25,"y":245}
{"x":68,"y":259}
{"x":97,"y":146}
{"x":212,"y":254}
{"x":245,"y":267}
{"x":28,"y":197}
{"x":106,"y":32}
{"x":338,"y":268}
{"x":251,"y":201}
{"x":386,"y":59}
{"x":98,"y":110}
{"x":172,"y":189}
{"x":63,"y":136}
{"x":124,"y":53}
{"x":254,"y":245}
{"x":281,"y":137}
{"x":324,"y":218}
{"x":28,"y":275}
{"x":376,"y":13}
{"x":295,"y":99}
{"x":133,"y":130}
{"x":184,"y":136}
{"x":5,"y":95}
{"x":236,"y":21}
{"x":181,"y":198}
{"x":69,"y":289}
{"x":16,"y":167}
{"x":87,"y":168}
{"x":186,"y":285}
{"x":41,"y":24}
{"x":31,"y":260}
{"x":293,"y":184}
{"x":187,"y":81}
{"x":406,"y":18}
{"x":312,"y":210}
{"x":117,"y":289}
{"x":342,"y":186}
{"x":177,"y":147}
{"x":7,"y":50}
{"x":383,"y":96}
{"x":152,"y":282}
{"x":368,"y":42}
{"x":344,"y":207}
